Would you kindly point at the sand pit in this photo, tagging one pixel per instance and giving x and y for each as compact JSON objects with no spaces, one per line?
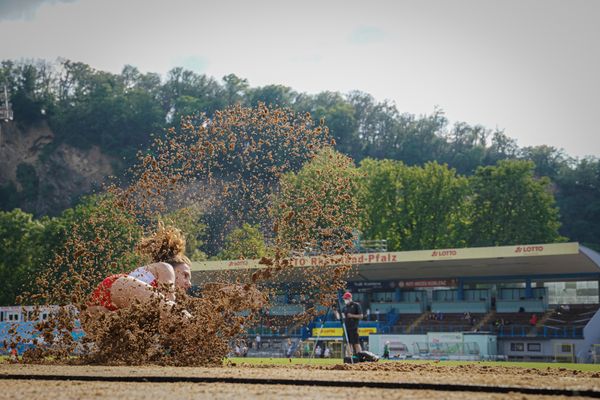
{"x":311,"y":380}
{"x":77,"y":390}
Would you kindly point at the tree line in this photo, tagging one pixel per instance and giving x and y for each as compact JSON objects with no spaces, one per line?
{"x":119,"y":112}
{"x":412,"y":207}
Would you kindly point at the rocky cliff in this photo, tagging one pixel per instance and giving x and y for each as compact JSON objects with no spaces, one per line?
{"x":42,"y":176}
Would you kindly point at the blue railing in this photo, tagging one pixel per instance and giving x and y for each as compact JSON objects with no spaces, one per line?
{"x":571,"y":332}
{"x":423,"y":329}
{"x":278,"y":331}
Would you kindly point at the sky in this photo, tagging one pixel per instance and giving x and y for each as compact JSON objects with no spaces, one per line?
{"x":529,"y":67}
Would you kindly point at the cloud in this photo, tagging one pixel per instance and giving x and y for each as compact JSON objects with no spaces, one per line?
{"x":366,"y":34}
{"x":23,"y":9}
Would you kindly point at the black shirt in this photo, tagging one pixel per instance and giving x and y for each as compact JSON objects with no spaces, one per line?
{"x":352,"y":308}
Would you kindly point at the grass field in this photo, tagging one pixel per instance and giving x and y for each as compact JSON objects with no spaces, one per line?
{"x":331,"y":361}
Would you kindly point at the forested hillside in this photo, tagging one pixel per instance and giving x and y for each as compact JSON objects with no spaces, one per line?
{"x":74,"y":125}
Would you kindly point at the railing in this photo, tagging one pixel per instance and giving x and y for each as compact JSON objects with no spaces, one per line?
{"x":372,"y":246}
{"x":572,"y":332}
{"x":423,"y":329}
{"x":361,"y":246}
{"x":275,"y":331}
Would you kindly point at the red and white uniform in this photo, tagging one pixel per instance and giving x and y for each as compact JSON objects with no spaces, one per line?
{"x":101,"y":295}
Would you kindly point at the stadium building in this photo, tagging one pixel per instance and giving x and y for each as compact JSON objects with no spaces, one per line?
{"x":522,"y":302}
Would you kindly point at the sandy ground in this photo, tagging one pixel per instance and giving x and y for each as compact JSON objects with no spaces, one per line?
{"x":381,"y":372}
{"x":170,"y":391}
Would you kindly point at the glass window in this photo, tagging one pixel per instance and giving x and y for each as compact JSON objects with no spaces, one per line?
{"x":534,"y":347}
{"x":517,"y":347}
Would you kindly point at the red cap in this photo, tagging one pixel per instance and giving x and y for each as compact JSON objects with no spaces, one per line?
{"x":347,"y":295}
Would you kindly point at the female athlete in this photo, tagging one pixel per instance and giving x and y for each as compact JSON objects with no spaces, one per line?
{"x":160,"y":280}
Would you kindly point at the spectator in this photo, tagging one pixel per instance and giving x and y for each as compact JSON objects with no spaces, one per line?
{"x":386,"y":350}
{"x":467,"y":316}
{"x":306,"y":349}
{"x":257,"y":341}
{"x":14,"y":355}
{"x":533,"y":320}
{"x":318,"y":351}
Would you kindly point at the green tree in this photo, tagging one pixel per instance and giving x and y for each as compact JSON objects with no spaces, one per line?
{"x":271,"y":95}
{"x":578,"y":195}
{"x":21,"y":251}
{"x":413,"y":208}
{"x":189,"y":220}
{"x":244,"y":242}
{"x":317,"y":207}
{"x":511,"y":206}
{"x":87,"y":243}
{"x":548,"y":160}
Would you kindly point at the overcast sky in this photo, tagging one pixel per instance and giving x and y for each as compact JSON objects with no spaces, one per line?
{"x":529,"y":67}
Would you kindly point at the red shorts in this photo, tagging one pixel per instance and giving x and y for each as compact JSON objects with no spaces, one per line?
{"x":101,"y":295}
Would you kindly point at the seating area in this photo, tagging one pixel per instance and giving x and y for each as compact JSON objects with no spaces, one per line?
{"x":277,"y":325}
{"x":570,"y":317}
{"x":450,"y":322}
{"x":404,"y":322}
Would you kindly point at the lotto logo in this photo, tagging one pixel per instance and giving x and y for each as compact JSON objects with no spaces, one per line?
{"x":529,"y":249}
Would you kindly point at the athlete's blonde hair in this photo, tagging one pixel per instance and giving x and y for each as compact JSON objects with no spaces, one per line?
{"x":166,"y":245}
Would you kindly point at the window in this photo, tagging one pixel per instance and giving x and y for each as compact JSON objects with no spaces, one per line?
{"x":565,"y":348}
{"x":534,"y":347}
{"x":517,"y":347}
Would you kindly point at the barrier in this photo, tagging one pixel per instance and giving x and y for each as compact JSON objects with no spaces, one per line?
{"x":564,"y":352}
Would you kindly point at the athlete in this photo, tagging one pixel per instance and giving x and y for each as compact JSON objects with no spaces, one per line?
{"x":160,"y":280}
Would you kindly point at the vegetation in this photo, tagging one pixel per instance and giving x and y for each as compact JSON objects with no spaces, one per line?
{"x":420,"y":182}
{"x":119,"y":112}
{"x":246,"y":241}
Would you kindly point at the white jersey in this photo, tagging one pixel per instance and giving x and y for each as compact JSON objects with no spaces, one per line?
{"x":144,"y":275}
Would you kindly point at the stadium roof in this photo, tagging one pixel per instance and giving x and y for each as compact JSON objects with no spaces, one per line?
{"x":542,"y":261}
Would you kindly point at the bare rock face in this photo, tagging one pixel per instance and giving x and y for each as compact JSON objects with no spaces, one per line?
{"x":45,"y":177}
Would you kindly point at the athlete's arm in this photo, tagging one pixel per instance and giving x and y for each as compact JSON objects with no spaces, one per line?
{"x":165,"y":277}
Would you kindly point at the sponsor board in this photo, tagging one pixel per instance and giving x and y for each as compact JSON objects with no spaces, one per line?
{"x":426,"y":283}
{"x":405,"y":256}
{"x":339,"y":332}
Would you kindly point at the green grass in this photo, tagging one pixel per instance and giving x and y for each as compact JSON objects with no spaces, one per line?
{"x":331,"y":361}
{"x":284,"y":361}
